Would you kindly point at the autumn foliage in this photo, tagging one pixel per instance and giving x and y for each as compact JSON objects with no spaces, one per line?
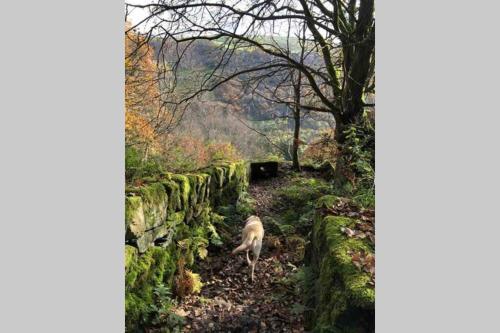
{"x":323,"y":148}
{"x":149,"y":134}
{"x":141,"y":92}
{"x":186,"y":153}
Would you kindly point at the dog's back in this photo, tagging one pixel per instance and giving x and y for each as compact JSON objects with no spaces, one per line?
{"x":252,"y":236}
{"x":253,"y":229}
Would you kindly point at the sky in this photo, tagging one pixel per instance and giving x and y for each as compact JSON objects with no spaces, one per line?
{"x":135,"y":16}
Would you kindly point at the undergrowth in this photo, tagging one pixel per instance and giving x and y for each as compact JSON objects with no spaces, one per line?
{"x":355,"y":176}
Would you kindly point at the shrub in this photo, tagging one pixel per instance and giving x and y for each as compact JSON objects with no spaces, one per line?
{"x":137,"y":167}
{"x":222,"y":151}
{"x":323,"y":149}
{"x":183,"y":153}
{"x":176,"y":154}
{"x":186,"y":282}
{"x":355,"y":167}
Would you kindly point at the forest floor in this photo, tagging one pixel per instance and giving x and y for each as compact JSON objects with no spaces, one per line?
{"x":229,"y":301}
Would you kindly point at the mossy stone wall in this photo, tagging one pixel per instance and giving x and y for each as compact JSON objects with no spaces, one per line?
{"x":161,"y":204}
{"x":339,"y":296}
{"x":166,"y":209}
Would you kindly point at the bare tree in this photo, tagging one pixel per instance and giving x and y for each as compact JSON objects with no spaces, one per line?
{"x":338,"y":49}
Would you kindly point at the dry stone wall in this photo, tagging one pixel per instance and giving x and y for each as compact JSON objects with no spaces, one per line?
{"x":162,"y":213}
{"x":155,"y":209}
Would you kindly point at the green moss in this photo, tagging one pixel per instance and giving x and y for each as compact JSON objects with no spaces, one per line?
{"x":356,"y":282}
{"x":327,"y":201}
{"x":204,"y":188}
{"x":174,"y":195}
{"x":195,"y":181}
{"x":142,"y":275}
{"x":166,"y":176}
{"x":155,"y":202}
{"x":184,"y":187}
{"x":231,"y":170}
{"x":297,"y":202}
{"x":365,"y":197}
{"x":304,"y":190}
{"x":182,"y":232}
{"x":132,"y":190}
{"x":176,"y":218}
{"x":226,"y":181}
{"x":219,"y":176}
{"x":245,"y":205}
{"x":135,"y":224}
{"x":199,"y":184}
{"x":130,"y":255}
{"x":340,"y":291}
{"x":242,"y":176}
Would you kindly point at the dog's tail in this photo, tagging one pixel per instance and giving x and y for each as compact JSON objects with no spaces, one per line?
{"x":246,"y":243}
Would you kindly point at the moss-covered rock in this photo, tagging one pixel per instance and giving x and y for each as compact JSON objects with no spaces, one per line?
{"x":203,"y":192}
{"x":340,"y":294}
{"x":219,"y":176}
{"x":194,"y":182}
{"x":226,"y":181}
{"x":167,"y":230}
{"x":184,"y":188}
{"x":199,"y":183}
{"x":327,"y":201}
{"x":135,"y":224}
{"x":297,"y":202}
{"x":304,"y":191}
{"x":143,"y":273}
{"x":155,"y":203}
{"x":173,"y":190}
{"x":130,"y":255}
{"x":242,"y":173}
{"x":176,"y":218}
{"x":231,"y":168}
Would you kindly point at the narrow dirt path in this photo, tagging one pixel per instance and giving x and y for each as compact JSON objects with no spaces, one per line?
{"x":229,"y":301}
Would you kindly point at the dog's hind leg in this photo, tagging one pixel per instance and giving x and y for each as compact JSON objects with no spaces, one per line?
{"x":243,"y":247}
{"x":256,"y":252}
{"x":248,"y":259}
{"x":252,"y":265}
{"x":254,"y":262}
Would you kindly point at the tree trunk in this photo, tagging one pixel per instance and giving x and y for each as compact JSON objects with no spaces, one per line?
{"x":339,"y":131}
{"x":296,"y":138}
{"x":357,"y":66}
{"x":296,"y":118}
{"x":356,"y":60}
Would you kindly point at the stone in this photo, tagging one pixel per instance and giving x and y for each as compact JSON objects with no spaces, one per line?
{"x":135,"y":224}
{"x":155,"y":203}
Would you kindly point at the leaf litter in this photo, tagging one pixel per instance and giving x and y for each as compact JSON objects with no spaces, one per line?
{"x":229,"y":301}
{"x":364,"y":228}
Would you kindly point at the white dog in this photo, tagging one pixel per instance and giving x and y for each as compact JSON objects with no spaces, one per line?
{"x":252,"y":236}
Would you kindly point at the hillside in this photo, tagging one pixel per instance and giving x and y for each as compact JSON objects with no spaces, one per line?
{"x":238,"y":105}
